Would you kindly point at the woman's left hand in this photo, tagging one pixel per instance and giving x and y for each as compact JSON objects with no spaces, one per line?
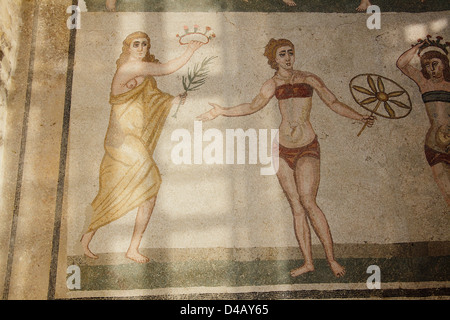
{"x":180,"y":99}
{"x":370,"y":120}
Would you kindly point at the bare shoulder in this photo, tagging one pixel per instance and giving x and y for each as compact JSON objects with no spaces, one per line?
{"x":125,"y":73}
{"x":313,"y":80}
{"x":414,"y":74}
{"x":130,"y":67}
{"x":268,"y":88}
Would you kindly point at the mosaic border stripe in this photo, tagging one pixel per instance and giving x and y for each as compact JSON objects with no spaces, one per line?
{"x":419,"y":263}
{"x":158,"y":275}
{"x":62,"y":165}
{"x":23,"y":143}
{"x":326,"y":6}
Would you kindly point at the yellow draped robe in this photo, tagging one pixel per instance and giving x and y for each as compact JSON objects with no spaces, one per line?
{"x":128,"y":174}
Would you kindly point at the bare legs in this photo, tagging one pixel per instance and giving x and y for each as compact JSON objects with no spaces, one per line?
{"x":85,"y":240}
{"x":142,"y":218}
{"x":301,"y":188}
{"x":441,"y":174}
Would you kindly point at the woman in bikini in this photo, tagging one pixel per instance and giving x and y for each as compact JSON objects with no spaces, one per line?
{"x":299,"y":151}
{"x":433,"y":81}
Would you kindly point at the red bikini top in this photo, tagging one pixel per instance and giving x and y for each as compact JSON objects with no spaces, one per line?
{"x":296,"y":90}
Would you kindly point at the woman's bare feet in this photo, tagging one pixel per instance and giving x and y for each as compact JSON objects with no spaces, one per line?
{"x":110,"y":5}
{"x":338,"y":270}
{"x":85,"y":240}
{"x":303,"y":269}
{"x":290,"y":3}
{"x":364,"y":5}
{"x":136,"y":256}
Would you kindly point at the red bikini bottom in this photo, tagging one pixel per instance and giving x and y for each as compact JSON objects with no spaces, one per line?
{"x":291,"y":155}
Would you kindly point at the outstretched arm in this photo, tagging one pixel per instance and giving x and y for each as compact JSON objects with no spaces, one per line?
{"x":260,"y":101}
{"x":333,"y":103}
{"x":403,"y":63}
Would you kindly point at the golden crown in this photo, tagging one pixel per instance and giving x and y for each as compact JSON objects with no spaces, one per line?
{"x":196,"y":34}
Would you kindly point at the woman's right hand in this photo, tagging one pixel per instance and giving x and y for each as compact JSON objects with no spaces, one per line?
{"x":211,"y":114}
{"x":421,"y":44}
{"x":194,"y":45}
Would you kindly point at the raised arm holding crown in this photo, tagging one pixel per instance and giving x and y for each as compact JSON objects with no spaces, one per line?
{"x":433,"y":81}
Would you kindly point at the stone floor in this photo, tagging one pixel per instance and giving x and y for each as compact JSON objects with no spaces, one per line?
{"x":221,"y":229}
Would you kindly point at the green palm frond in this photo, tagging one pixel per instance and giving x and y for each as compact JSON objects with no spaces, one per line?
{"x":196,"y":77}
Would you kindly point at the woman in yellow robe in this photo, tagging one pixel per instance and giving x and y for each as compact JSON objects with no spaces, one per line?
{"x":129,"y":177}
